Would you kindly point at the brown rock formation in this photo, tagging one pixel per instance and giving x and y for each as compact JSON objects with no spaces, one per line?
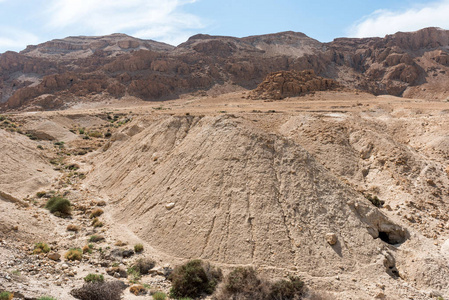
{"x":279,"y":85}
{"x":403,"y":64}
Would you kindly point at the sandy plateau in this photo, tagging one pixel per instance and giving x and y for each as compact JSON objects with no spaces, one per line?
{"x":236,"y":182}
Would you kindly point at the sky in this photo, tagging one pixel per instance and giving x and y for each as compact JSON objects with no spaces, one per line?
{"x":29,"y":22}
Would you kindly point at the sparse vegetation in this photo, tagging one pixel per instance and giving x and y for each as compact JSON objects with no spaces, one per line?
{"x":95,"y":134}
{"x":96,"y":213}
{"x":94,"y":278}
{"x":47,"y":298}
{"x":72,"y":227}
{"x":375,"y":200}
{"x":194,"y":279}
{"x":159,"y":296}
{"x":41,"y":194}
{"x":287,"y":289}
{"x":59,"y":144}
{"x":96,"y":238}
{"x":138,"y":290}
{"x":41,"y":248}
{"x":244,"y":283}
{"x":133,"y":275}
{"x":100,"y":203}
{"x":58,"y":206}
{"x":144,"y":265}
{"x":74,"y":254}
{"x":87,"y":249}
{"x":138,"y":248}
{"x":6,"y":296}
{"x":97,"y":223}
{"x":99,"y":291}
{"x":120,"y":243}
{"x":72,"y":167}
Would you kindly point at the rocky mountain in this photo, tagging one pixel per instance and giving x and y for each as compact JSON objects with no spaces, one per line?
{"x":56,"y":73}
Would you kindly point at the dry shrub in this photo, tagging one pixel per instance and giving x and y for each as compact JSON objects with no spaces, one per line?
{"x":72,"y":227}
{"x":287,"y":289}
{"x":97,"y":223}
{"x":82,"y":208}
{"x":138,"y":248}
{"x":244,"y":283}
{"x":138,"y":290}
{"x":96,"y":213}
{"x":101,"y":203}
{"x":161,"y":296}
{"x":194,"y":279}
{"x":96,"y":238}
{"x":111,"y":290}
{"x":144,"y":265}
{"x":87,"y":249}
{"x":41,"y":248}
{"x":74,"y":254}
{"x":94,"y":278}
{"x":120,"y":243}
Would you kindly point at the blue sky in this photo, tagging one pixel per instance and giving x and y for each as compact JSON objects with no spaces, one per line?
{"x":24,"y":22}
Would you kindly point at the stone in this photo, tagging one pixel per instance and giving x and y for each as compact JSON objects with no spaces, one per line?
{"x":170,"y":206}
{"x":331,"y":238}
{"x":54,"y":256}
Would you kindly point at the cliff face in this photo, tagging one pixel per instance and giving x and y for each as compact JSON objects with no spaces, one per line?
{"x":412,"y":64}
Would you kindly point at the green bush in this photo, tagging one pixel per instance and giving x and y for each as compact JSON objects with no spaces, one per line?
{"x":94,"y":278}
{"x":47,"y":298}
{"x":74,"y":254}
{"x":138,"y":248}
{"x":58,"y":206}
{"x":6,"y":296}
{"x":41,"y":248}
{"x":194,"y":279}
{"x":159,"y":296}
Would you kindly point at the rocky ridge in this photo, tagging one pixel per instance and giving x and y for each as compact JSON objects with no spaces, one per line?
{"x":78,"y":69}
{"x":279,"y":85}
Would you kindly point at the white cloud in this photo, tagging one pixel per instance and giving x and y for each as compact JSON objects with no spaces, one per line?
{"x":15,"y":39}
{"x":156,"y":19}
{"x":383,"y":22}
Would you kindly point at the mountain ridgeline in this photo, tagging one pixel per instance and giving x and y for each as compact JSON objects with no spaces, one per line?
{"x":48,"y":75}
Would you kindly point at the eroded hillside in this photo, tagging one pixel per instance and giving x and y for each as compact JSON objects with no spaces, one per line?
{"x":288,"y":187}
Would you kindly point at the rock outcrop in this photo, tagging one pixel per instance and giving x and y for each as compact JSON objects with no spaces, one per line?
{"x":414,"y":64}
{"x":279,"y":85}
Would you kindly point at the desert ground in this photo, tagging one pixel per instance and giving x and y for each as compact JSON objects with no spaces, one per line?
{"x":236,"y":182}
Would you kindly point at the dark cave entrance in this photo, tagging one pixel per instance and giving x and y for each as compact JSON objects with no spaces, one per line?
{"x":392,"y":238}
